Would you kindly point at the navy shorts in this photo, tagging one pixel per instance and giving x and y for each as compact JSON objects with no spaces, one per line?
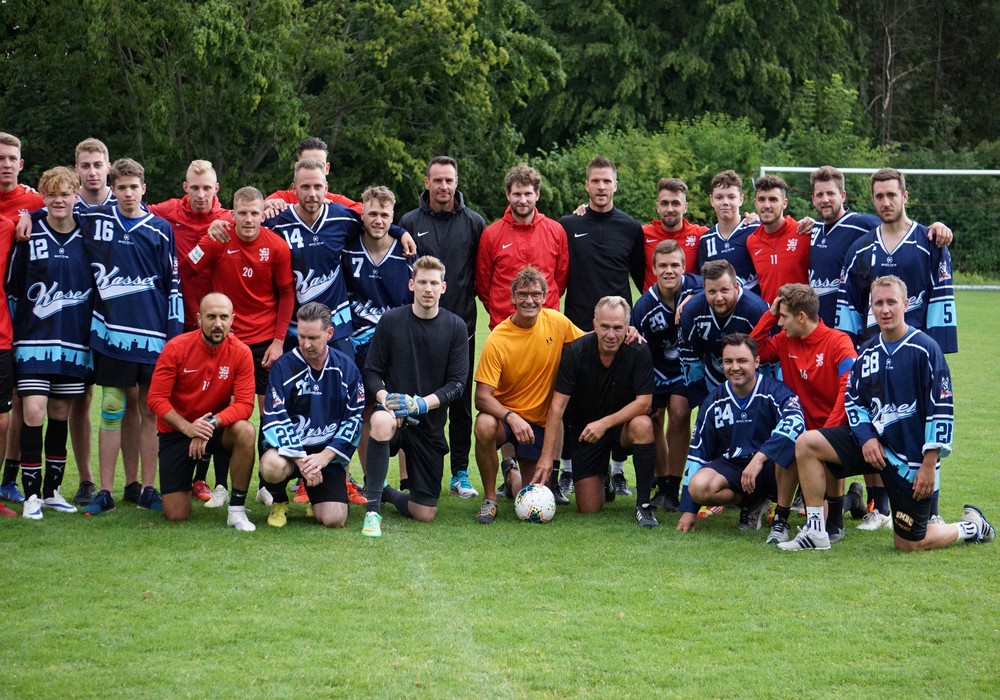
{"x":909,"y":516}
{"x":733,"y":474}
{"x":530,"y":451}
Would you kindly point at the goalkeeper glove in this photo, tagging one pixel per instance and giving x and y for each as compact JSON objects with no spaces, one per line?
{"x":404,"y":405}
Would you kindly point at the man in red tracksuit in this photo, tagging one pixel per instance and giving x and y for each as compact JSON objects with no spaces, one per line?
{"x":202,"y":393}
{"x":523,"y":237}
{"x":779,"y":252}
{"x":671,"y":205}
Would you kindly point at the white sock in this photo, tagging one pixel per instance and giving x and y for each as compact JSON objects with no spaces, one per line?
{"x":814,"y":518}
{"x":567,"y":466}
{"x":617,"y":467}
{"x":967,"y":530}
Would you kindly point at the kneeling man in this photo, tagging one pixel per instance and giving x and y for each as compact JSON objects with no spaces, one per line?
{"x":202,"y":393}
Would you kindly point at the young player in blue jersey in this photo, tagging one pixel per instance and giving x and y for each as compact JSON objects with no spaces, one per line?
{"x":51,"y":291}
{"x":723,"y":308}
{"x":317,"y":231}
{"x":655,"y":316}
{"x":745,"y":430}
{"x":727,"y":240}
{"x":311,"y":421}
{"x":900,"y":411}
{"x":137,"y":310}
{"x":898,"y":247}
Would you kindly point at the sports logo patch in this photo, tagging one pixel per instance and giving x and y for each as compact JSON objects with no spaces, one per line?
{"x":196,"y":254}
{"x":945,"y":388}
{"x":224,"y":372}
{"x":793,"y":243}
{"x":943,"y":272}
{"x":265,"y":254}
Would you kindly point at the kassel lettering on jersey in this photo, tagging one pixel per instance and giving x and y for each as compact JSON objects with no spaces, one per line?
{"x":52,"y":301}
{"x":883,"y":416}
{"x":314,"y":436}
{"x":311,"y":285}
{"x":111,"y":286}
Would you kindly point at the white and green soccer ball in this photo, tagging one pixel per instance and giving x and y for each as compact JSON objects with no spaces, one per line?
{"x":535,"y":504}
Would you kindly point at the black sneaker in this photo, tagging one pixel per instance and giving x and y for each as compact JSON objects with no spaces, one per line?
{"x":566,"y":482}
{"x":609,"y":490}
{"x":752,"y":514}
{"x":644,"y":516}
{"x":621,"y":486}
{"x":133,"y":491}
{"x":557,"y":493}
{"x":855,"y":500}
{"x":84,"y":494}
{"x":150,"y":499}
{"x":665,"y":501}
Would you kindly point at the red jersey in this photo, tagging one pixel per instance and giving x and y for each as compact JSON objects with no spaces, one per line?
{"x":687,"y":238}
{"x":506,"y":246}
{"x":6,"y":245}
{"x":292,"y":198}
{"x":189,"y":227}
{"x":256,"y":276}
{"x":779,"y":258}
{"x":20,"y":199}
{"x":194,"y":378}
{"x":816,"y":368}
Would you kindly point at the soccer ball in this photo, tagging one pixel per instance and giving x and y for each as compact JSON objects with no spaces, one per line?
{"x":535,"y":504}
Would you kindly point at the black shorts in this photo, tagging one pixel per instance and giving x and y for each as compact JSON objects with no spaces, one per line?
{"x":6,"y":380}
{"x":909,"y":516}
{"x":260,"y":374}
{"x":531,"y":451}
{"x":110,"y":371}
{"x":333,"y":488}
{"x":661,"y":399}
{"x":424,"y":465}
{"x":54,"y":386}
{"x":591,"y":459}
{"x":176,"y":465}
{"x":733,"y":473}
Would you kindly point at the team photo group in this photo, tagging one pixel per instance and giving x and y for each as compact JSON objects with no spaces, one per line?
{"x":765,"y":362}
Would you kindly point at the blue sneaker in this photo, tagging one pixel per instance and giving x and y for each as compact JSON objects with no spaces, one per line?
{"x":10,"y":492}
{"x":101,"y":503}
{"x":461,"y":486}
{"x":150,"y":499}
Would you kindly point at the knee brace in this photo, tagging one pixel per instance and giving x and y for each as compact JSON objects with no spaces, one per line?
{"x":112,"y":407}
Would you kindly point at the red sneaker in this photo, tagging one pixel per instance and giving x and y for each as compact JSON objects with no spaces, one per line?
{"x":200,"y":490}
{"x":300,"y":493}
{"x":354,"y":495}
{"x":4,"y":510}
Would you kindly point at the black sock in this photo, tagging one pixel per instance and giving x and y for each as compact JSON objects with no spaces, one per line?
{"x":201,"y":468}
{"x":934,"y":503}
{"x":376,"y":469}
{"x":644,"y":461}
{"x":55,"y":456}
{"x":10,"y":468}
{"x":881,"y":498}
{"x":31,"y":460}
{"x":221,"y":462}
{"x":661,"y":484}
{"x":673,"y":485}
{"x":835,"y":513}
{"x":782,"y":513}
{"x":397,"y":498}
{"x":238,"y":498}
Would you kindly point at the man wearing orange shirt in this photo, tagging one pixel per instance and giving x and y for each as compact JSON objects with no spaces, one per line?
{"x":671,"y":205}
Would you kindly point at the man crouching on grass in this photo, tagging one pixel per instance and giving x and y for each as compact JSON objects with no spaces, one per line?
{"x":900,"y":409}
{"x":202,"y":393}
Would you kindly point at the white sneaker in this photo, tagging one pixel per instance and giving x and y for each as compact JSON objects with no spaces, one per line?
{"x":936,"y":520}
{"x":220,"y":497}
{"x":237,"y":518}
{"x":32,"y":508}
{"x":806,"y":539}
{"x":57,"y":502}
{"x":874,"y":520}
{"x":264,"y":496}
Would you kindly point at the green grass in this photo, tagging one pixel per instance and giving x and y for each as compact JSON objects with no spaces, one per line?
{"x":128,"y":605}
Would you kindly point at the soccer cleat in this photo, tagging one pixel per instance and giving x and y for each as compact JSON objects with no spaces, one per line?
{"x":769,"y":518}
{"x":10,"y":492}
{"x":300,"y":493}
{"x":150,"y":499}
{"x":975,"y":516}
{"x":487,"y":512}
{"x":7,"y":512}
{"x":620,"y":485}
{"x":502,"y":491}
{"x":806,"y":539}
{"x":461,"y":486}
{"x":752,"y":515}
{"x":778,"y":533}
{"x":101,"y":503}
{"x":856,"y":501}
{"x":936,"y":520}
{"x":32,"y":508}
{"x":293,"y":486}
{"x":219,"y":498}
{"x":644,"y":516}
{"x":200,"y":490}
{"x":709,"y":511}
{"x":609,"y":489}
{"x":835,"y":534}
{"x":237,"y":518}
{"x":278,"y":516}
{"x":874,"y":520}
{"x":566,"y":482}
{"x":264,"y":496}
{"x":666,"y":501}
{"x":354,"y":494}
{"x":132,"y":492}
{"x":372,"y":527}
{"x":84,"y":494}
{"x":57,"y":502}
{"x":557,"y":494}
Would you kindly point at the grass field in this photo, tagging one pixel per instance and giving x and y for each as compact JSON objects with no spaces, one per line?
{"x":126,"y":605}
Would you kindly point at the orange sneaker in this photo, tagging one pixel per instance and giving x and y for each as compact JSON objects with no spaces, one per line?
{"x":354,"y":495}
{"x":200,"y":490}
{"x":300,"y":493}
{"x":709,"y":511}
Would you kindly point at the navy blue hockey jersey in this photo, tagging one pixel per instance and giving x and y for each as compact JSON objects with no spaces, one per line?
{"x":713,"y":246}
{"x":826,"y":257}
{"x":655,"y":321}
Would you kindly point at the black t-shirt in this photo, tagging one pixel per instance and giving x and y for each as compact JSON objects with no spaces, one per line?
{"x":596,"y":391}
